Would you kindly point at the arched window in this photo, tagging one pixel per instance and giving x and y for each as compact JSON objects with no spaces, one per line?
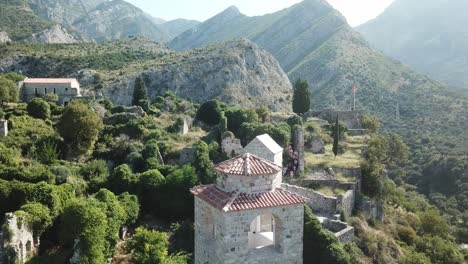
{"x":263,"y":232}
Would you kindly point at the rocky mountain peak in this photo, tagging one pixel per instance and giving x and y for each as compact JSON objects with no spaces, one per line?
{"x":57,"y":34}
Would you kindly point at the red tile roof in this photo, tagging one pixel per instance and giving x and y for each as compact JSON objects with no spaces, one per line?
{"x":230,"y":201}
{"x":248,"y":165}
{"x":49,"y":80}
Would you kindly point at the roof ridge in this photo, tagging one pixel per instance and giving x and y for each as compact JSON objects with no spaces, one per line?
{"x":230,"y":202}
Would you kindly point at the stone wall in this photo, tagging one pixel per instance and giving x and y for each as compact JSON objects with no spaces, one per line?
{"x":298,"y":146}
{"x":352,"y":119}
{"x":319,"y":203}
{"x":345,"y":203}
{"x":224,"y":238}
{"x":243,"y":184}
{"x":231,"y":147}
{"x":18,"y":242}
{"x":257,"y":148}
{"x":322,"y":204}
{"x":187,"y":155}
{"x":342,"y":231}
{"x":3,"y":128}
{"x":371,"y":208}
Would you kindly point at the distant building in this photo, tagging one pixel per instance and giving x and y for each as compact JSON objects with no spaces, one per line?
{"x":247,"y":217}
{"x":65,"y":89}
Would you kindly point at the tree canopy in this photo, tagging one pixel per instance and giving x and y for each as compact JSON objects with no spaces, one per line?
{"x":79,"y":126}
{"x":301,"y":97}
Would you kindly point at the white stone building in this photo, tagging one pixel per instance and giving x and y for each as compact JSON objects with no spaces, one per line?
{"x":66,"y":89}
{"x":246,"y":217}
{"x":265,"y":147}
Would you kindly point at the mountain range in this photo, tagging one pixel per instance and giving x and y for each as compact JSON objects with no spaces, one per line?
{"x":310,"y":40}
{"x":429,"y":36}
{"x":236,"y":72}
{"x":85,"y":20}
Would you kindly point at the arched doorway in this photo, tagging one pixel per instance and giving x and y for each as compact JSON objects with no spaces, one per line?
{"x":263,"y":232}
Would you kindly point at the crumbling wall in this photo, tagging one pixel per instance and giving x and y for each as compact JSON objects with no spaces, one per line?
{"x":371,"y":208}
{"x":298,"y":146}
{"x":316,"y":201}
{"x":352,"y":119}
{"x":231,"y":146}
{"x":187,"y":155}
{"x":3,"y":128}
{"x":342,"y":230}
{"x":345,"y":203}
{"x":18,"y":239}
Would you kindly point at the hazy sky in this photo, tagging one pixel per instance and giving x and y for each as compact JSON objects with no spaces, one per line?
{"x":356,"y":11}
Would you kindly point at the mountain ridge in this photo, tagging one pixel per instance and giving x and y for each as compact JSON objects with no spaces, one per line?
{"x":430,"y":38}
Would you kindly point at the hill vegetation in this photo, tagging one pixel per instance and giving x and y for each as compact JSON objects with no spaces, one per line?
{"x":430,"y":37}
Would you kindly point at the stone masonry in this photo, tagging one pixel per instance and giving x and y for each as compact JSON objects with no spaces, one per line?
{"x":3,"y":128}
{"x":264,"y":146}
{"x":247,"y":217}
{"x":298,"y":146}
{"x":231,"y":146}
{"x":18,"y":243}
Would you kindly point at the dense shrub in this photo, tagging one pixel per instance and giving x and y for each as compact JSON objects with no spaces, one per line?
{"x":79,"y":126}
{"x":96,"y":174}
{"x":320,"y":245}
{"x":148,"y":246}
{"x":210,"y":112}
{"x":38,"y":108}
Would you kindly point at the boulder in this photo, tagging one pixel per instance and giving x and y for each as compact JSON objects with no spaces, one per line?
{"x":316,"y":145}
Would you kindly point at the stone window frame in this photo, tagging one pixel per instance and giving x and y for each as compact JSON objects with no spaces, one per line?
{"x":278,"y":232}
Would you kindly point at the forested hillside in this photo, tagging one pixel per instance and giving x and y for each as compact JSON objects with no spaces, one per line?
{"x":428,"y":36}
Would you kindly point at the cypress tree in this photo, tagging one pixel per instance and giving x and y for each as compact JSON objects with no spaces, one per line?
{"x":139,"y":93}
{"x":336,"y":137}
{"x":301,"y":97}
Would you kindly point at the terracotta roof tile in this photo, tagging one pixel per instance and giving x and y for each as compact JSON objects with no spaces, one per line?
{"x":229,"y":202}
{"x":248,"y":165}
{"x":49,"y":80}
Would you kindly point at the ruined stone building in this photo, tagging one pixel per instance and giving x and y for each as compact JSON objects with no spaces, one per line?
{"x":65,"y":89}
{"x":3,"y":128}
{"x":246,"y":217}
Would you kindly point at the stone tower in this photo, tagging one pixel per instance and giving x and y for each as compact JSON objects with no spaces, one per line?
{"x":246,"y":217}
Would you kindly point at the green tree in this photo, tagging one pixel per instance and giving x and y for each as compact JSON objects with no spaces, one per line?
{"x":320,"y":245}
{"x":51,"y":98}
{"x":38,"y":215}
{"x":79,"y":126}
{"x":87,"y":222}
{"x":370,"y":122}
{"x":210,"y":112}
{"x":203,"y":165}
{"x":336,"y":137}
{"x":237,"y":116}
{"x":116,"y":216}
{"x":139,"y":92}
{"x":263,"y":113}
{"x":131,"y":206}
{"x":301,"y":97}
{"x":148,"y":246}
{"x":38,"y":108}
{"x":8,"y":91}
{"x":96,"y":174}
{"x":123,"y":179}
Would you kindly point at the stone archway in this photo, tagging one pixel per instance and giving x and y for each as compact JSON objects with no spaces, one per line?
{"x":265,"y":231}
